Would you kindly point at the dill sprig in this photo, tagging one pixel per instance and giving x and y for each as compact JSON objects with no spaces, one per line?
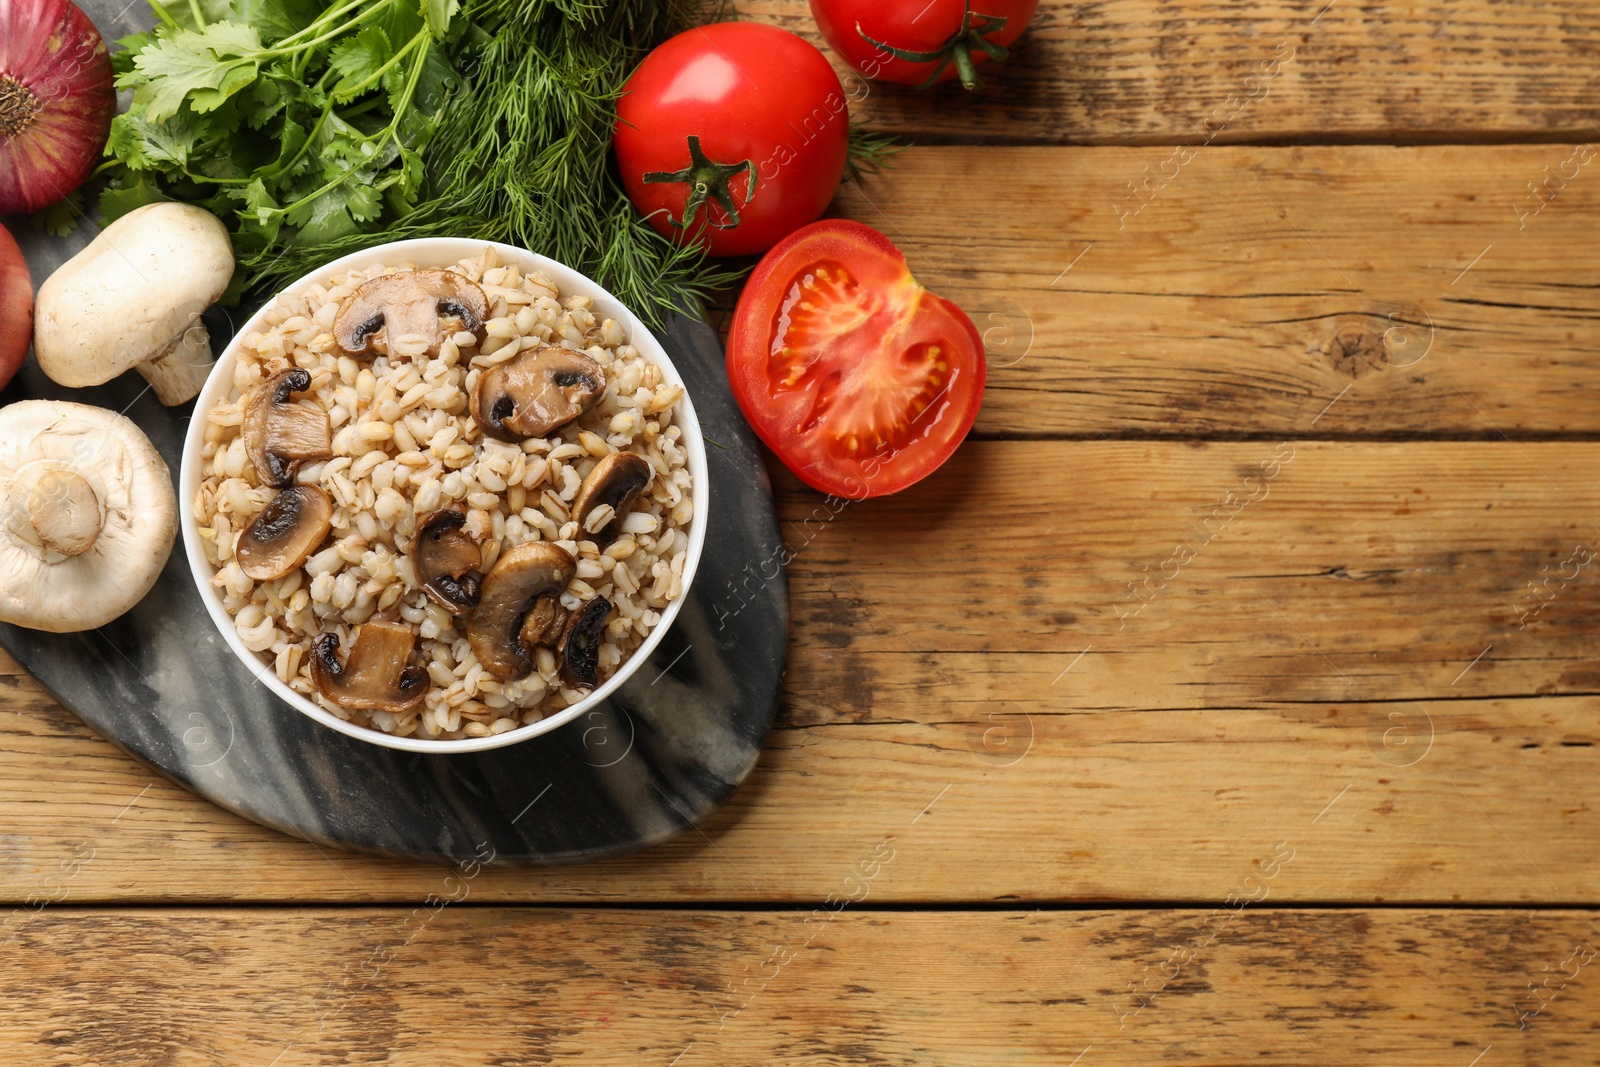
{"x":317,"y":129}
{"x":870,"y":152}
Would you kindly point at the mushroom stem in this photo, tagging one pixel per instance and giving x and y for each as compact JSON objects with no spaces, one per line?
{"x":87,"y":515}
{"x":55,"y":510}
{"x":64,"y":512}
{"x":180,"y":372}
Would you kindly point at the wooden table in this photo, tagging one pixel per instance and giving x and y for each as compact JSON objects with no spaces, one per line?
{"x":1229,"y":698}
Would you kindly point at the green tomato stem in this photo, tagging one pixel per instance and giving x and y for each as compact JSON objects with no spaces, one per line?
{"x":958,"y":49}
{"x":706,"y":179}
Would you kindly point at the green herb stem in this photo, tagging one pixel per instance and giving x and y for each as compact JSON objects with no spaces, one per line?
{"x":422,"y":38}
{"x":163,"y":14}
{"x":328,"y":17}
{"x":499,"y":118}
{"x":304,"y":49}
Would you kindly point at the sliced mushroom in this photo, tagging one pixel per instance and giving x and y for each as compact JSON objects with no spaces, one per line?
{"x":544,"y":623}
{"x":280,"y":435}
{"x":536,"y":393}
{"x":411,"y":303}
{"x":615,"y":483}
{"x":375,"y":676}
{"x":445,"y":559}
{"x":580,"y":645}
{"x":511,"y":612}
{"x":289,"y":529}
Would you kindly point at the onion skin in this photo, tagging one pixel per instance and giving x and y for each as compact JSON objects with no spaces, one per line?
{"x":51,"y":50}
{"x":16,"y":307}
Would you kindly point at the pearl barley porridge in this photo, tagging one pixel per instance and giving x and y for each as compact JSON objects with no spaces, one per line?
{"x":471,"y":423}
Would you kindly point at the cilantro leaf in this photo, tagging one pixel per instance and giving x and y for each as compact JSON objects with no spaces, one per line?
{"x":277,"y":19}
{"x":439,"y":13}
{"x":131,"y":45}
{"x":117,"y":200}
{"x":402,"y":21}
{"x":266,"y":98}
{"x":210,"y":10}
{"x":205,"y":68}
{"x":260,"y":218}
{"x":61,"y":218}
{"x":333,"y":214}
{"x":293,"y":137}
{"x":145,"y":145}
{"x":438,"y":82}
{"x":358,"y":61}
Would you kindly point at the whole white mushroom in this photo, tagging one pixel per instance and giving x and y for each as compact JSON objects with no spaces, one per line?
{"x":132,"y":300}
{"x":87,"y":515}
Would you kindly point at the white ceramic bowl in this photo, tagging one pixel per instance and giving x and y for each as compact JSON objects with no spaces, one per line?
{"x":423,"y":253}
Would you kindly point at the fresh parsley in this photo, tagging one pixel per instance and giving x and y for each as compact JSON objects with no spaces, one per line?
{"x":316,"y":129}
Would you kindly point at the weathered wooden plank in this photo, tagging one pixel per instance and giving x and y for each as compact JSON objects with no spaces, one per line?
{"x":1220,"y":574}
{"x":1121,"y":72}
{"x":1128,"y":292}
{"x":1447,"y":801}
{"x":468,"y":985}
{"x":1341,"y":661}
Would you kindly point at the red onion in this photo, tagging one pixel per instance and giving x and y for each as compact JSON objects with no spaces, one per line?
{"x":56,"y":101}
{"x":16,"y":307}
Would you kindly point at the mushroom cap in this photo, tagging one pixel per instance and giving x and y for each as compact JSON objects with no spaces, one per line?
{"x":285,"y":533}
{"x":375,"y":675}
{"x":444,"y":558}
{"x":138,"y":286}
{"x":412,"y":302}
{"x":511,"y":591}
{"x":62,"y":467}
{"x":615,"y":482}
{"x":279,"y":434}
{"x":580,"y":644}
{"x":536,"y":393}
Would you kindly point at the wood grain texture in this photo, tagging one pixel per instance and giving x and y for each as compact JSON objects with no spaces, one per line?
{"x":1340,"y":667}
{"x":468,"y":985}
{"x":1257,"y":286}
{"x":1124,"y":72}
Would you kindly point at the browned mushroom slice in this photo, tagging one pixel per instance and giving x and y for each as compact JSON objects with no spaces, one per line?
{"x":544,"y":622}
{"x":289,"y":529}
{"x":580,"y":645}
{"x":512,"y":609}
{"x":536,"y":393}
{"x":412,"y":302}
{"x":375,"y":676}
{"x":615,"y":483}
{"x":280,"y":435}
{"x":445,"y":558}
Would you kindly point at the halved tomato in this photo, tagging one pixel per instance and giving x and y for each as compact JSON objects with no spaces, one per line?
{"x":862,"y":381}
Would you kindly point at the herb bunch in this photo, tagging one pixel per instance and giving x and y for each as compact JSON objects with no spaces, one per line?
{"x":314,"y":129}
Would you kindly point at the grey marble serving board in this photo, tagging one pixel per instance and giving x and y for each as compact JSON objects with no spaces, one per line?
{"x":664,"y":753}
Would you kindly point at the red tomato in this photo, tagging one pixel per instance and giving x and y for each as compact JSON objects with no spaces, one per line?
{"x":732,"y":135}
{"x":861,"y":380}
{"x":16,"y":307}
{"x":918,"y":42}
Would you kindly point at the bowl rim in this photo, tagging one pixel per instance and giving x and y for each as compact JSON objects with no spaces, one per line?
{"x":424,"y":253}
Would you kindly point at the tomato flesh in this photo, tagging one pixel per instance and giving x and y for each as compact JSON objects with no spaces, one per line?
{"x":858,"y":378}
